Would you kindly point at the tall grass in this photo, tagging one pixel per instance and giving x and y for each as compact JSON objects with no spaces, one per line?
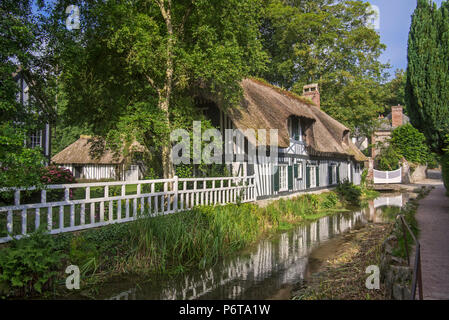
{"x":194,"y":239}
{"x":201,"y":237}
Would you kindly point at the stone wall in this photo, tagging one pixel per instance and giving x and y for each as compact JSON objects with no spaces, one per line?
{"x":413,"y":173}
{"x":395,"y":272}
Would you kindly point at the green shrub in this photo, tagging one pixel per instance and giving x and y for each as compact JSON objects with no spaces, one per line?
{"x":388,"y":158}
{"x":349,"y":193}
{"x":31,"y":264}
{"x":330,"y":200}
{"x":411,"y":144}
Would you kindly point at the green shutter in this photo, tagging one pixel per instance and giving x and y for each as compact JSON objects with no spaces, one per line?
{"x":276,"y":180}
{"x":318,"y":175}
{"x":338,"y":173}
{"x":308,"y":177}
{"x":295,"y":171}
{"x":330,"y":175}
{"x":290,"y":177}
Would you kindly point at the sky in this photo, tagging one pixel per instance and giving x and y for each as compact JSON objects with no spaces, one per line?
{"x":395,"y":20}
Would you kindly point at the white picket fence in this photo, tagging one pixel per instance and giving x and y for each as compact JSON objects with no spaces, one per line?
{"x":68,"y":215}
{"x":387,"y":177}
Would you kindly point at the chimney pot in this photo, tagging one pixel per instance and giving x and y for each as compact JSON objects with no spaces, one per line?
{"x":311,"y":91}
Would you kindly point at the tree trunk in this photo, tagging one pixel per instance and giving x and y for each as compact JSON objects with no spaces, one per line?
{"x":165,"y":94}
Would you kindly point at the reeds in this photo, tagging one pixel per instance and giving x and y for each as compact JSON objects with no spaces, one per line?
{"x":201,"y":237}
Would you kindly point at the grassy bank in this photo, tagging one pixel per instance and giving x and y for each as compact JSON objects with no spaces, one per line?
{"x":167,"y":245}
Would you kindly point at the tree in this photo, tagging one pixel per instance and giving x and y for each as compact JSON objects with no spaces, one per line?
{"x":411,"y":144}
{"x":388,"y":158}
{"x":327,"y":42}
{"x":357,"y":105}
{"x":19,"y":166}
{"x":427,"y":90}
{"x":394,"y":92}
{"x":445,"y":165}
{"x":132,"y":70}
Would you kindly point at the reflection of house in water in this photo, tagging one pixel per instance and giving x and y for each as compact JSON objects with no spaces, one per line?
{"x":272,"y":264}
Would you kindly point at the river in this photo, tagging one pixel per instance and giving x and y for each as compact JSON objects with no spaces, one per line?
{"x":267,"y":270}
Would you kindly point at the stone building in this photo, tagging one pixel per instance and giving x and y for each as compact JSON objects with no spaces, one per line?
{"x":394,"y":119}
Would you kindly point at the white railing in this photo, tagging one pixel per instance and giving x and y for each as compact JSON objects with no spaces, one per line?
{"x":386,"y":177}
{"x":111,"y":202}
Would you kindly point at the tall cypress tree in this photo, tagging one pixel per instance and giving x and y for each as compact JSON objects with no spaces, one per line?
{"x":444,"y":66}
{"x":444,"y":32}
{"x":427,"y":94}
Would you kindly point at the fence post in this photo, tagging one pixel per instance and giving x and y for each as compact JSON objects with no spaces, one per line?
{"x":175,"y":190}
{"x":17,"y":197}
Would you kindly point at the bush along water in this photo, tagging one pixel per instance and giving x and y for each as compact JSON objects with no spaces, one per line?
{"x":162,"y":245}
{"x":349,"y":193}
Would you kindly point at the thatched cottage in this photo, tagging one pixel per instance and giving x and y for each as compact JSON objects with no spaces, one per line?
{"x":84,"y":164}
{"x":315,"y":151}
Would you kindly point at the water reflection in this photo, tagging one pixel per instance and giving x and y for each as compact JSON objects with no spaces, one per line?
{"x":267,"y":267}
{"x":378,"y":206}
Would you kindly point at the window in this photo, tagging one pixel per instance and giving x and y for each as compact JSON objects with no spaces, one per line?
{"x":36,"y":139}
{"x":283,"y":181}
{"x":298,"y":171}
{"x":313,"y":177}
{"x":334,"y":174}
{"x":294,"y":127}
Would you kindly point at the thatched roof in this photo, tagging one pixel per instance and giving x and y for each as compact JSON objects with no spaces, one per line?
{"x":267,"y":107}
{"x":81,"y":152}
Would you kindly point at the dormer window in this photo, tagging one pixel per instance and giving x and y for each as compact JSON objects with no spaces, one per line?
{"x":295,"y":129}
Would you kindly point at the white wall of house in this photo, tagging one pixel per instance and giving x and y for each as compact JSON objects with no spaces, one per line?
{"x":265,"y":175}
{"x":92,"y":171}
{"x":132,"y":174}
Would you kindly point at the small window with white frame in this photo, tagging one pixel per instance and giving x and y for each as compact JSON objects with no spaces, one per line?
{"x":300,"y":171}
{"x":283,"y":180}
{"x":313,"y":176}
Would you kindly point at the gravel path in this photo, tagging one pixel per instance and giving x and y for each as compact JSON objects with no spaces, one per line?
{"x":433,"y":221}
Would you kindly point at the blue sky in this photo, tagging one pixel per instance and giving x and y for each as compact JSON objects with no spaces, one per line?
{"x":395,"y":19}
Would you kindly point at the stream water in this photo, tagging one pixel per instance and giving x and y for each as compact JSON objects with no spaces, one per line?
{"x":267,"y":270}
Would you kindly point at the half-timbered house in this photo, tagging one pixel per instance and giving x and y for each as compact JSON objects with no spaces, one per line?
{"x":314,"y":150}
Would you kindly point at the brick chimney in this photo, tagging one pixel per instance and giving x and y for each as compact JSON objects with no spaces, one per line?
{"x":311,"y":91}
{"x":397,"y":116}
